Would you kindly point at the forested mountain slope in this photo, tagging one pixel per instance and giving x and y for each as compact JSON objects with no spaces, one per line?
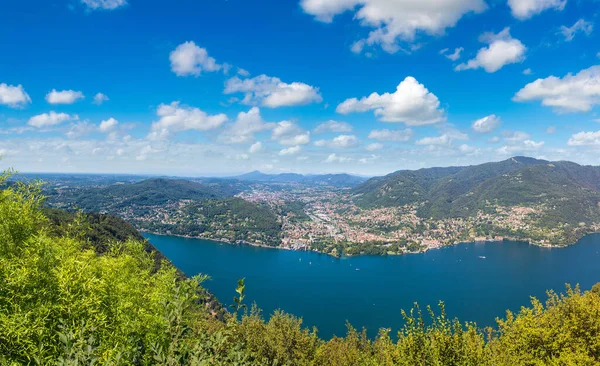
{"x":564,"y":192}
{"x":179,"y":207}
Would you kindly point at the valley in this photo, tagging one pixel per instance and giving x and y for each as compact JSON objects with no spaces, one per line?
{"x":540,"y":202}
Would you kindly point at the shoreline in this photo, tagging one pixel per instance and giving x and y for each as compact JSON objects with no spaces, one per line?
{"x":243,"y":242}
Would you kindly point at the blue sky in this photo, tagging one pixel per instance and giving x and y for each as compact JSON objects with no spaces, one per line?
{"x":362,"y":86}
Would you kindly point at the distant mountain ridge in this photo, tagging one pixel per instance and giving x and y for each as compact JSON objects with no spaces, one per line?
{"x":150,"y":192}
{"x":569,"y":190}
{"x":335,"y":180}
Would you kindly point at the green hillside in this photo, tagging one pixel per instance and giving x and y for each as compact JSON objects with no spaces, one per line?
{"x":565,"y":192}
{"x":178,"y":207}
{"x":150,"y":192}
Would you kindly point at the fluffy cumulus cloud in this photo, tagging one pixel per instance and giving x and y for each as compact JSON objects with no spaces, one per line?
{"x":272,"y":92}
{"x":392,"y":22}
{"x":104,"y":4}
{"x":571,"y":93}
{"x":341,"y":142}
{"x":290,"y":151}
{"x":63,"y":96}
{"x":333,"y":126}
{"x":289,"y":134}
{"x":189,"y":59}
{"x":585,"y":139}
{"x":579,"y":26}
{"x":13,"y":96}
{"x":175,"y":118}
{"x":502,"y":50}
{"x":524,"y":9}
{"x":100,"y":98}
{"x":108,"y":125}
{"x":256,"y":147}
{"x":245,"y":126}
{"x":486,"y":124}
{"x":392,"y":135}
{"x":411,"y":104}
{"x":50,"y":119}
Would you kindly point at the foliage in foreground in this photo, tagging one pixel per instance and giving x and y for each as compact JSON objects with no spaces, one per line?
{"x":63,"y":303}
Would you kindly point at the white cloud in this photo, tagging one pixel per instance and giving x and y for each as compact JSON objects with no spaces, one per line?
{"x":245,"y":126}
{"x":392,"y":135}
{"x":520,"y":147}
{"x":13,"y":96}
{"x":189,"y":59}
{"x":527,"y":72}
{"x":585,"y":139}
{"x":486,"y":124}
{"x":50,"y":119}
{"x":502,"y":50}
{"x":395,"y":21}
{"x":494,"y":140}
{"x":108,"y":125}
{"x":80,"y":129}
{"x":411,"y":104}
{"x":100,"y":98}
{"x":256,"y":148}
{"x":579,"y":26}
{"x":243,"y":72}
{"x":104,"y":4}
{"x":289,"y":134}
{"x":452,"y":56}
{"x":290,"y":151}
{"x":524,"y":9}
{"x":466,"y":149}
{"x":572,"y":93}
{"x":272,"y":92}
{"x":176,"y":118}
{"x":333,"y":126}
{"x":515,"y":136}
{"x":442,"y":140}
{"x":64,"y":96}
{"x":445,"y":139}
{"x":374,"y":146}
{"x":333,"y":158}
{"x":368,"y":160}
{"x":345,"y":141}
{"x":342,"y":142}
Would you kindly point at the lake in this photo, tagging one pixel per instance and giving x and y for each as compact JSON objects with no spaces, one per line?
{"x":477,"y":281}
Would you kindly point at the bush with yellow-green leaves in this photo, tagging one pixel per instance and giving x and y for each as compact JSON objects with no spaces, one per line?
{"x":62,"y":303}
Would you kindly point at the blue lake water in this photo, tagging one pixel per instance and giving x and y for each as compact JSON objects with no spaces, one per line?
{"x":370,"y":291}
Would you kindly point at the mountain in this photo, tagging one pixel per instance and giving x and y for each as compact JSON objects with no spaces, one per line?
{"x":566,"y":192}
{"x":178,"y":207}
{"x":150,"y":192}
{"x":334,"y":180}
